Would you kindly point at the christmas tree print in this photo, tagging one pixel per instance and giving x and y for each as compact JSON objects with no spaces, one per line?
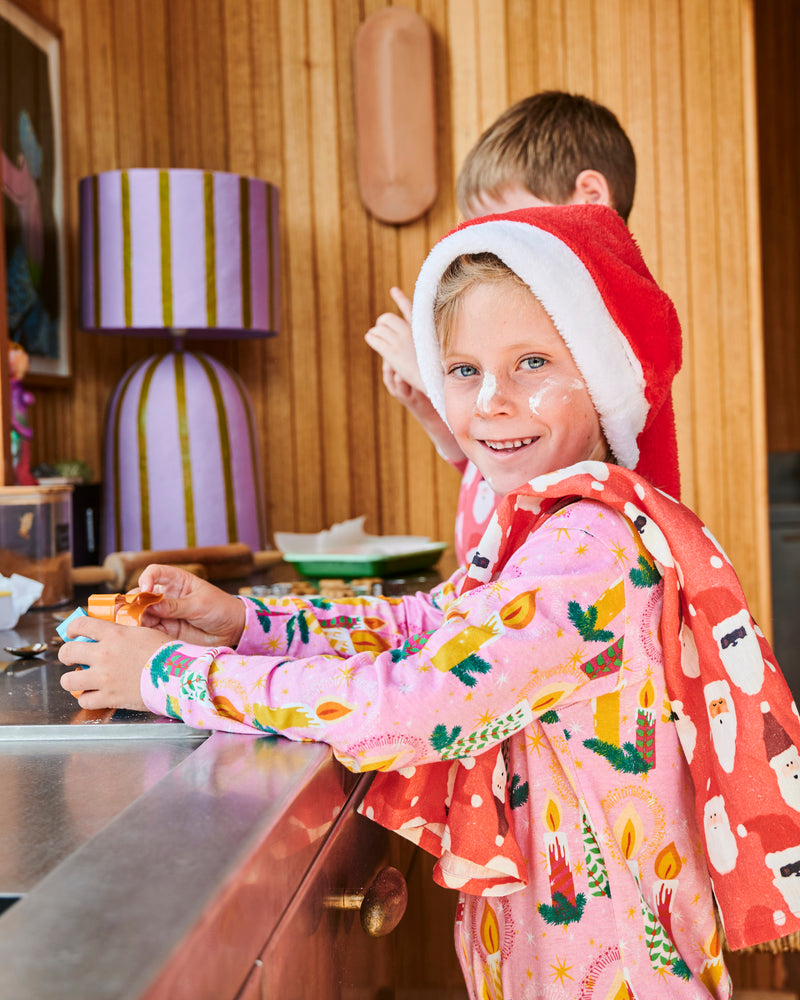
{"x":595,"y":865}
{"x":263,"y":619}
{"x":518,"y":792}
{"x":160,"y":665}
{"x":302,"y":627}
{"x":440,"y":738}
{"x":586,"y":621}
{"x":625,"y":759}
{"x":550,"y":716}
{"x":646,"y":575}
{"x":562,"y":911}
{"x":471,"y":665}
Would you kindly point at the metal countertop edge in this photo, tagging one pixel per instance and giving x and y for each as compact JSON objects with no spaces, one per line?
{"x":103,"y":923}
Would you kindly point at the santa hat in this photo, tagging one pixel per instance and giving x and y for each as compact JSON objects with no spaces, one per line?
{"x":780,"y":838}
{"x":581,"y":263}
{"x":776,"y":739}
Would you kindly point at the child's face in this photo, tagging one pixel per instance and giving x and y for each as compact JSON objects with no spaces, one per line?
{"x":514,"y":397}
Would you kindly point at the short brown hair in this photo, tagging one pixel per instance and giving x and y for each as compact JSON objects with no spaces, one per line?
{"x":462,"y":274}
{"x":543,"y":142}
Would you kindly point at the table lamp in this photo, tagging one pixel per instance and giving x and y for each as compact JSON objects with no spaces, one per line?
{"x":186,"y":254}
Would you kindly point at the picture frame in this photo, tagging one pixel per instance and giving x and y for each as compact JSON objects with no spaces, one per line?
{"x":33,"y":203}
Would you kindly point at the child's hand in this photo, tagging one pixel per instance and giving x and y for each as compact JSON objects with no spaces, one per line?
{"x":192,"y":610}
{"x":391,"y":338}
{"x":115,"y":661}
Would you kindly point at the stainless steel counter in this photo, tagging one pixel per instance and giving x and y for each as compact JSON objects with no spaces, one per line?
{"x":123,"y":853}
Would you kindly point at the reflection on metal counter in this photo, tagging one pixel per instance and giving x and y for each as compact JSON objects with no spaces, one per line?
{"x":33,"y":705}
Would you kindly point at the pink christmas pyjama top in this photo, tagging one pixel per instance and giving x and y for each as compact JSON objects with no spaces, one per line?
{"x":558,"y":788}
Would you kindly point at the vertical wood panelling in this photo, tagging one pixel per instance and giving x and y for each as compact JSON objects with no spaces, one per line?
{"x":522,"y":66}
{"x":580,"y":49}
{"x":301,"y":290}
{"x":265,"y":87}
{"x":270,"y":362}
{"x":332,"y":333}
{"x":670,"y":170}
{"x":702,"y":321}
{"x":493,"y":62}
{"x":362,"y":381}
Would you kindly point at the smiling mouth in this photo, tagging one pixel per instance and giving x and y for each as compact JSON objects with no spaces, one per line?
{"x":509,"y":446}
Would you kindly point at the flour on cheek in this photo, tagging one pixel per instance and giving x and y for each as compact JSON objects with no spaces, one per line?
{"x":548,"y":387}
{"x":541,"y":396}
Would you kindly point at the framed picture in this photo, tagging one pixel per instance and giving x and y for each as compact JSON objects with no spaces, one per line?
{"x":35,"y":270}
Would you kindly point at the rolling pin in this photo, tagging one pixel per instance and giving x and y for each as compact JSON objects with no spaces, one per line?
{"x":120,"y":570}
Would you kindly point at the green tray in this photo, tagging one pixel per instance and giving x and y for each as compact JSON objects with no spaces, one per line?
{"x":329,"y":564}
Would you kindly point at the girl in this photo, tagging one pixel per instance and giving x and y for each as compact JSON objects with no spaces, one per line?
{"x":575,"y":723}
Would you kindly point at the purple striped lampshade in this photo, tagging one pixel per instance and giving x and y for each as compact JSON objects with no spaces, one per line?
{"x":181,"y":457}
{"x":187,"y":253}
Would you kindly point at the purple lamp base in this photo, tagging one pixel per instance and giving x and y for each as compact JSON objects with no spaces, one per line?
{"x":181,"y":461}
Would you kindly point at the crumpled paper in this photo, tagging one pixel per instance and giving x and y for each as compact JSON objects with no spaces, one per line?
{"x":348,"y":538}
{"x":17,"y":594}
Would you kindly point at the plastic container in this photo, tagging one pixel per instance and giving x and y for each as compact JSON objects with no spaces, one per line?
{"x":36,"y":538}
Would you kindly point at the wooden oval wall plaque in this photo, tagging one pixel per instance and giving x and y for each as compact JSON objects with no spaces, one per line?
{"x":395,"y":109}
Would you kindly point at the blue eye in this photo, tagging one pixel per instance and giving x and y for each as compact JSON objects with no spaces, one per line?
{"x":533,"y":363}
{"x":463,"y":371}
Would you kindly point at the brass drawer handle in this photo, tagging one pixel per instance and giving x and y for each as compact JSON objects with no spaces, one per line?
{"x":381,"y":904}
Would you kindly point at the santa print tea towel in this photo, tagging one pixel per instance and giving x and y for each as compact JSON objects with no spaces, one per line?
{"x":737,"y":721}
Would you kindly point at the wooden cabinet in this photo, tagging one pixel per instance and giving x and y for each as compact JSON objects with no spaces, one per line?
{"x":319,"y":949}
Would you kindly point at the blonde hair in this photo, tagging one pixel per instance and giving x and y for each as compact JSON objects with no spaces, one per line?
{"x":543,"y":142}
{"x":461,"y":275}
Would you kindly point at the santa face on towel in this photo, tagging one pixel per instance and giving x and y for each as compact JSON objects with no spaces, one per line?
{"x":720,"y":841}
{"x":722,"y":714}
{"x":784,"y":759}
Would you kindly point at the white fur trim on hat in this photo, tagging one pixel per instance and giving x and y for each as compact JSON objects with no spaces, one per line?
{"x":560,"y":281}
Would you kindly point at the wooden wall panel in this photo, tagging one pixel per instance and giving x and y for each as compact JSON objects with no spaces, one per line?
{"x":265,"y":87}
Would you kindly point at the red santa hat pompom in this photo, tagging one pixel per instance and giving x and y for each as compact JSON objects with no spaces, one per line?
{"x":582,"y":264}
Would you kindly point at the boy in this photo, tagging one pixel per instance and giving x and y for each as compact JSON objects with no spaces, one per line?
{"x":552,"y":148}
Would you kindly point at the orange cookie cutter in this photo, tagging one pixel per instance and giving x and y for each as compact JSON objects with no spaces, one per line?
{"x":124,"y":609}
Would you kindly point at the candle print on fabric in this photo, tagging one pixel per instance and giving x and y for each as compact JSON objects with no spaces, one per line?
{"x":541,"y":792}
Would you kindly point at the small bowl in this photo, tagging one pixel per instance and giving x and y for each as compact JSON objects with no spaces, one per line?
{"x":26,"y":652}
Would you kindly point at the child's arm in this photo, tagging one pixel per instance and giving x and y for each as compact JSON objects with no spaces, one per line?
{"x":391,"y":338}
{"x":399,"y":679}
